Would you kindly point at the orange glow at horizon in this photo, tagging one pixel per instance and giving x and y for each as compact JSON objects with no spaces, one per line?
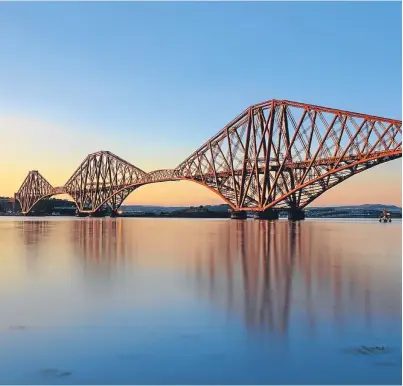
{"x":376,"y":186}
{"x":57,"y":162}
{"x":370,"y":187}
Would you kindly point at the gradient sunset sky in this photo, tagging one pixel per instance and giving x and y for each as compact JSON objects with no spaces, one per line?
{"x":151,"y":82}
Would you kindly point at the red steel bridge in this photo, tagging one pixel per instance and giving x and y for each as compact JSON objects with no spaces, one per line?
{"x":275,"y":155}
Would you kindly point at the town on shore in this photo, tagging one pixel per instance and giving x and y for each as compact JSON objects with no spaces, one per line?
{"x":58,"y":207}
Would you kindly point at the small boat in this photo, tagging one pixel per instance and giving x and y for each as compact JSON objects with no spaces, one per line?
{"x":385,"y":216}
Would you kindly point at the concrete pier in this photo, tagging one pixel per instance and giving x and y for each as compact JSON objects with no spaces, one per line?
{"x":296,"y":214}
{"x":99,"y":213}
{"x":268,"y":214}
{"x":238,"y":215}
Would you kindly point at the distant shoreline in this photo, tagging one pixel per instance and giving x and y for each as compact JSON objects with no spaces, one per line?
{"x":215,"y":216}
{"x":58,"y":207}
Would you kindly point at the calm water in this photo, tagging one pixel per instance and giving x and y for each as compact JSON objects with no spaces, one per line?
{"x":182,"y":301}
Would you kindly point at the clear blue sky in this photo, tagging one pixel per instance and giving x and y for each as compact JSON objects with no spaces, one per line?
{"x":153,"y":81}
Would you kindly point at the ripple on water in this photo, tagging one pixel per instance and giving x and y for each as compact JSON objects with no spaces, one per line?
{"x":55,"y":373}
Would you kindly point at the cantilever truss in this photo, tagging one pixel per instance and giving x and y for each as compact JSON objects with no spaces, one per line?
{"x":103,"y":179}
{"x":276,"y":154}
{"x":285,"y":154}
{"x":33,"y":189}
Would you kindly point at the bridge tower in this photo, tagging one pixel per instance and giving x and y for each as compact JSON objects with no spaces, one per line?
{"x":34,"y":188}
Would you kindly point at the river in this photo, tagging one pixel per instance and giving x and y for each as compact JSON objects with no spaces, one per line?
{"x":199,"y":301}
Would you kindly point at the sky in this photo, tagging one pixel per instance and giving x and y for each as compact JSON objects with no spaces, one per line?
{"x":151,"y":82}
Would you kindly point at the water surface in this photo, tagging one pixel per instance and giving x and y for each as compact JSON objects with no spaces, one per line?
{"x":188,"y":301}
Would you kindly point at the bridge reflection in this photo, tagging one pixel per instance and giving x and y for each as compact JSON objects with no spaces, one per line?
{"x":263,"y":273}
{"x":97,"y":240}
{"x":33,"y":231}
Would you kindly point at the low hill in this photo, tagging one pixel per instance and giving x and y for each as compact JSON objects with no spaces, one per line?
{"x":370,"y":207}
{"x":225,"y":208}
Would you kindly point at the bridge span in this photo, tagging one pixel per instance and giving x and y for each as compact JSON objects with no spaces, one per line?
{"x":275,"y":155}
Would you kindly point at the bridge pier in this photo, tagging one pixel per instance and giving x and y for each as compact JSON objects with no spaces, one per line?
{"x":296,"y":214}
{"x":268,"y":214}
{"x":81,"y":214}
{"x":99,"y":213}
{"x":238,"y":215}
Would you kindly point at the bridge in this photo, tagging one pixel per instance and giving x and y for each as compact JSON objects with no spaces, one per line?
{"x":275,"y":155}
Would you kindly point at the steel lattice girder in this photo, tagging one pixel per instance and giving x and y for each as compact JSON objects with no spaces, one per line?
{"x":103,"y":178}
{"x":278,"y":154}
{"x":33,"y":189}
{"x":285,"y":154}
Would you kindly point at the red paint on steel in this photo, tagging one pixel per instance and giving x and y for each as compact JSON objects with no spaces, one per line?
{"x":262,"y":159}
